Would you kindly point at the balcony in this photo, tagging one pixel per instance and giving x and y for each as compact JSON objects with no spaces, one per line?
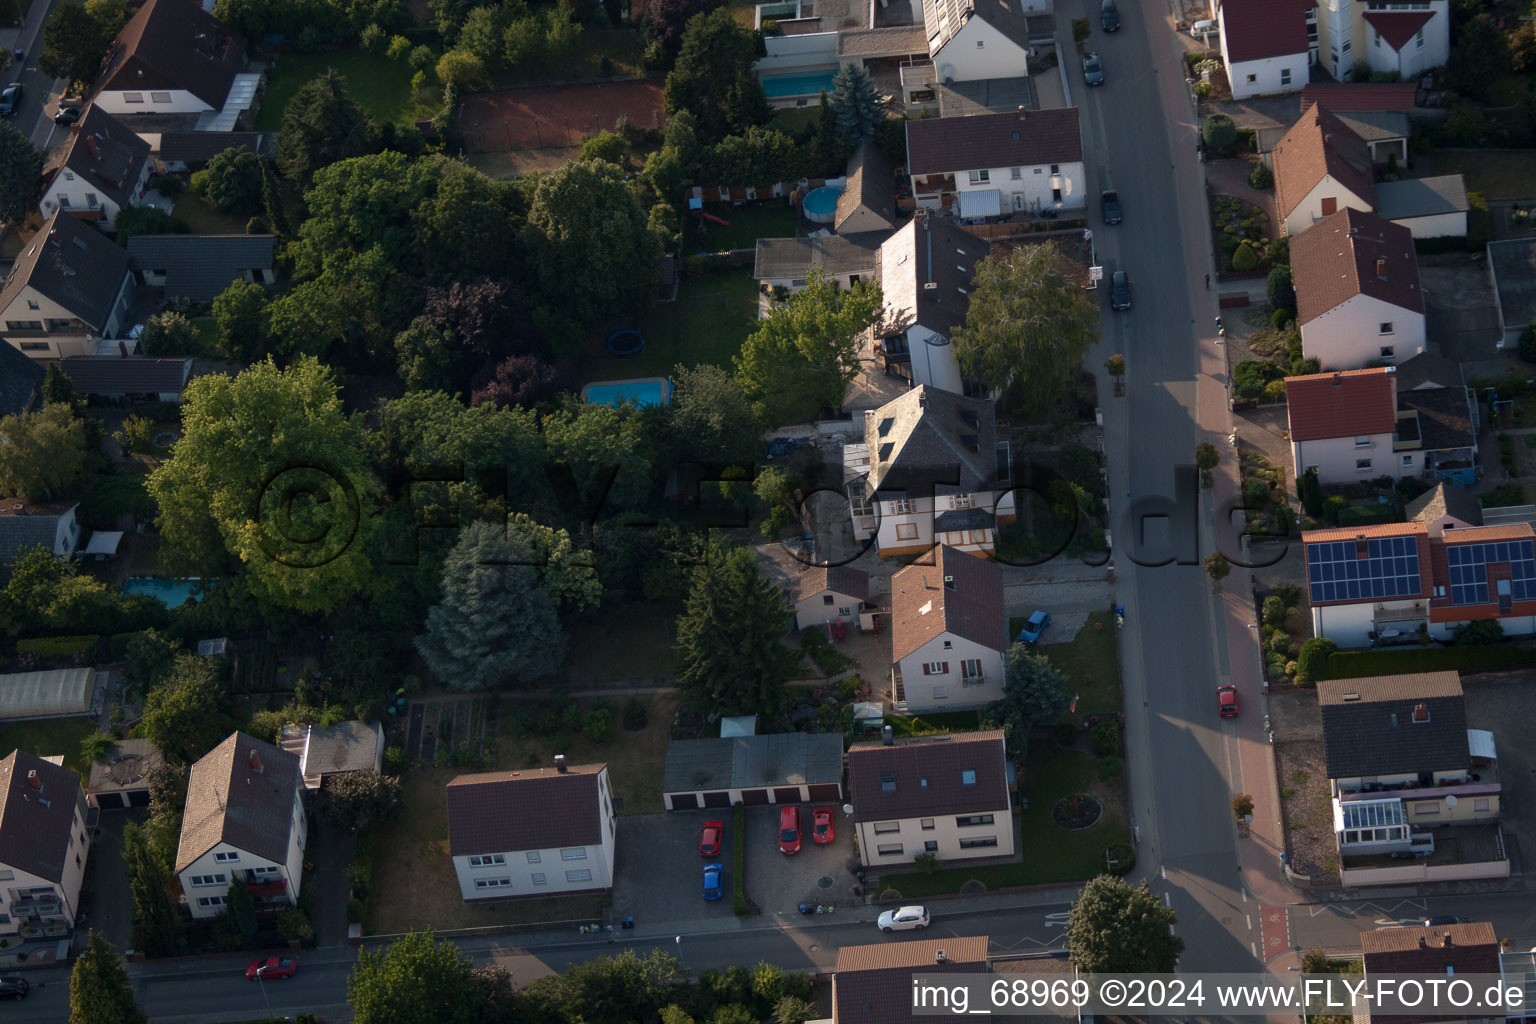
{"x":36,"y":906}
{"x":268,"y":890}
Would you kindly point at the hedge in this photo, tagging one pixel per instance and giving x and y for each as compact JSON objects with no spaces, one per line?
{"x":1355,"y":664}
{"x":57,"y":646}
{"x":739,"y":857}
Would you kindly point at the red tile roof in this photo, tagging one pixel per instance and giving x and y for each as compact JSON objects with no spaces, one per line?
{"x":873,"y":984}
{"x":1351,"y":532}
{"x":1474,"y":949}
{"x":1346,"y":404}
{"x":1483,"y":534}
{"x":943,"y":145}
{"x":1360,"y":96}
{"x":1398,"y":28}
{"x":960,"y":949}
{"x":923,"y":607}
{"x":1320,"y":145}
{"x":1256,"y":29}
{"x":1353,"y":253}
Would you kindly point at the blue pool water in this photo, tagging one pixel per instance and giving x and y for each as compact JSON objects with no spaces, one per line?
{"x":645,"y":391}
{"x":172,"y":593}
{"x":821,"y":202}
{"x":778,"y":87}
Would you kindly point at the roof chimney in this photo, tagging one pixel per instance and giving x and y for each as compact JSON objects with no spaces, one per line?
{"x":34,"y":780}
{"x":1021,"y":112}
{"x":255,"y":761}
{"x":938,"y":954}
{"x":122,"y":348}
{"x":1422,"y":943}
{"x":1362,"y":549}
{"x":1338,"y":380}
{"x":560,"y":763}
{"x":1421,"y":712}
{"x":887,"y":737}
{"x":1381,"y":267}
{"x":1446,"y":940}
{"x":90,"y":143}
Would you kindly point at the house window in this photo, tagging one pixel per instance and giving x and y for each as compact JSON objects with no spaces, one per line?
{"x":574,"y":853}
{"x":32,"y":304}
{"x":1285,"y":76}
{"x":533,"y":857}
{"x":1056,"y":195}
{"x":1330,"y":205}
{"x":77,"y":860}
{"x":538,"y":879}
{"x":889,"y":850}
{"x":1387,"y":351}
{"x":980,"y":43}
{"x":31,"y":346}
{"x":582,"y":875}
{"x":968,"y":777}
{"x":487,"y":861}
{"x":1055,"y":168}
{"x":887,"y":783}
{"x":906,"y":531}
{"x":960,"y":501}
{"x":7,"y":875}
{"x":159,"y":97}
{"x":226,"y":857}
{"x":1017,"y":173}
{"x":1439,"y":591}
{"x":265,"y":870}
{"x":887,"y":827}
{"x":1418,"y":40}
{"x":1363,"y":441}
{"x":204,"y":880}
{"x":901,"y":507}
{"x":972,"y":820}
{"x":69,"y":175}
{"x":210,"y":901}
{"x":935,"y":668}
{"x":970,"y":670}
{"x":91,"y":201}
{"x":133,"y":97}
{"x":1385,"y":328}
{"x":948,"y":644}
{"x":827,"y":599}
{"x":1480,"y":804}
{"x":980,"y":177}
{"x":940,"y":692}
{"x":1426,"y":807}
{"x":1407,"y":461}
{"x":63,"y":202}
{"x":974,"y":844}
{"x":931,"y":846}
{"x":1252,"y":79}
{"x":927,"y":824}
{"x":1362,"y":465}
{"x":492,"y":883}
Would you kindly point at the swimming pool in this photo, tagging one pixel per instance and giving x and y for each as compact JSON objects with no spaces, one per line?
{"x":643,"y":391}
{"x":172,"y":593}
{"x":820,"y":205}
{"x":813,"y":83}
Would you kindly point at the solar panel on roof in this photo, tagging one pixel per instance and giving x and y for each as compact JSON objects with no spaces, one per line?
{"x":1389,"y":570}
{"x":1467,"y":565}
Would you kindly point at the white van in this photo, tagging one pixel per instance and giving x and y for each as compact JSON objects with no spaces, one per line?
{"x":1200,"y":28}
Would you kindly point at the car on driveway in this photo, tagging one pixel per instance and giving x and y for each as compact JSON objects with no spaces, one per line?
{"x":713,"y":889}
{"x":10,"y":99}
{"x":271,"y":968}
{"x":789,"y":830}
{"x":1110,"y":200}
{"x":1036,"y":624}
{"x":821,"y":826}
{"x":904,"y":920}
{"x":1109,"y":16}
{"x":14,"y":988}
{"x":1443,"y":919}
{"x":1226,"y":701}
{"x":1093,"y":71}
{"x":68,"y":113}
{"x":1120,"y":291}
{"x":709,"y":839}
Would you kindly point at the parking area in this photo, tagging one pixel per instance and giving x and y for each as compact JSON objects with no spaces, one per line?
{"x":1505,"y":707}
{"x":817,"y":874}
{"x":660,"y":873}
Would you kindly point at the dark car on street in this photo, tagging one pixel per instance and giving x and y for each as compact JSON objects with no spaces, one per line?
{"x":1093,"y":71}
{"x":1111,"y":203}
{"x":1120,"y":291}
{"x":1109,"y":16}
{"x":10,"y":99}
{"x":14,"y":988}
{"x":68,"y":113}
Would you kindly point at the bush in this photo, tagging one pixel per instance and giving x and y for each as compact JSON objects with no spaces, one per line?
{"x":400,"y":48}
{"x":1218,"y":131}
{"x":1356,"y":664}
{"x":257,"y":226}
{"x":1245,"y":259}
{"x":1274,"y":392}
{"x":294,"y":924}
{"x":354,"y":911}
{"x":1110,"y":767}
{"x":169,"y":185}
{"x":636,"y":714}
{"x":1273,"y":610}
{"x":373,"y":39}
{"x":1316,"y":660}
{"x":1105,"y":738}
{"x":57,"y":646}
{"x":598,"y":726}
{"x":1477,"y":634}
{"x":1262,"y":177}
{"x":1528,"y":342}
{"x":1290,"y":593}
{"x":1279,"y":646}
{"x":394,"y":759}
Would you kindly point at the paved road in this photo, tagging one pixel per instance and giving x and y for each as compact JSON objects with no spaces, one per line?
{"x":1338,"y":925}
{"x":38,"y":90}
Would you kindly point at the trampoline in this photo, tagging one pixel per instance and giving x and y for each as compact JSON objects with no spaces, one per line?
{"x":627,"y":342}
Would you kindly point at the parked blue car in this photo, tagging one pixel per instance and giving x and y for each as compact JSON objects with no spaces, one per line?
{"x":713,"y":889}
{"x":1030,"y":634}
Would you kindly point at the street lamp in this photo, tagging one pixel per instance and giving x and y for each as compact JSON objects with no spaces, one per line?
{"x":261,"y":982}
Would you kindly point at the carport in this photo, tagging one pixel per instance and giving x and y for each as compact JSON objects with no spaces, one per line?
{"x":785,"y":768}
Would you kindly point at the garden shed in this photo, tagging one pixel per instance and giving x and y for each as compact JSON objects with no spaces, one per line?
{"x":782,"y":768}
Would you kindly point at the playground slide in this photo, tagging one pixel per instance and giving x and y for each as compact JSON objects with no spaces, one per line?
{"x":712,"y":217}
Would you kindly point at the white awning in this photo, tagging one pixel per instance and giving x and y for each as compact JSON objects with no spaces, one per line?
{"x":103,"y":544}
{"x":986,"y":203}
{"x":1481,"y":743}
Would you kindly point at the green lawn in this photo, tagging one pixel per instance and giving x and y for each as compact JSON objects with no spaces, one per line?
{"x":713,"y":314}
{"x":48,"y":737}
{"x":938,"y":721}
{"x":379,"y":85}
{"x":204,"y":219}
{"x":792,"y":119}
{"x":747,"y":225}
{"x":1088,"y":661}
{"x":1497,"y":173}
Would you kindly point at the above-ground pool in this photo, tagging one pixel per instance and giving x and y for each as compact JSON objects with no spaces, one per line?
{"x":172,"y":593}
{"x":820,"y":205}
{"x":809,"y":83}
{"x":643,"y":391}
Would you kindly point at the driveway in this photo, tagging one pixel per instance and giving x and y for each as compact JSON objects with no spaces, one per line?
{"x":660,"y":873}
{"x":817,"y":874}
{"x":332,"y":889}
{"x":110,"y":910}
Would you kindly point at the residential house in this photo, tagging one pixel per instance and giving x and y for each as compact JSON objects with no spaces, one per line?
{"x":1358,"y":299}
{"x":925,"y":271}
{"x":1394,"y":581}
{"x":121,"y":778}
{"x":102,"y":168}
{"x":21,"y":382}
{"x":931,"y":471}
{"x":44,"y":844}
{"x":1409,"y":781}
{"x":949,"y":633}
{"x":943,"y":795}
{"x":1343,"y":425}
{"x":1378,"y":36}
{"x":175,"y":58}
{"x":534,"y":832}
{"x":992,"y":164}
{"x":1444,"y":507}
{"x":326,"y":753}
{"x":1321,"y":167}
{"x":1378,"y":112}
{"x":843,"y":259}
{"x":244,"y":819}
{"x":1438,"y":951}
{"x":826,"y":594}
{"x":873,"y":984}
{"x":776,"y":768}
{"x":974,"y":40}
{"x":868,"y":200}
{"x":128,"y":378}
{"x":201,"y":267}
{"x":28,"y":525}
{"x":176,"y":152}
{"x":69,"y":288}
{"x":1436,"y":408}
{"x":1512,"y":271}
{"x":1264,"y":44}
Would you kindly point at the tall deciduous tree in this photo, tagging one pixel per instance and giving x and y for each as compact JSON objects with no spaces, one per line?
{"x":321,"y":125}
{"x":272,"y":202}
{"x":1028,"y":325}
{"x":1479,"y":58}
{"x":729,"y":653}
{"x":21,"y":174}
{"x":666,"y":19}
{"x":41,"y":453}
{"x":856,"y":105}
{"x":270,"y":470}
{"x":803,"y":356}
{"x":713,"y":76}
{"x":73,"y":44}
{"x":99,"y":989}
{"x":712,"y":420}
{"x":231,"y":182}
{"x":1034,"y":695}
{"x":360,"y":799}
{"x":58,"y":389}
{"x":240,"y":315}
{"x":599,"y":461}
{"x":1113,"y":928}
{"x":523,"y":380}
{"x":184,"y":714}
{"x":416,"y":980}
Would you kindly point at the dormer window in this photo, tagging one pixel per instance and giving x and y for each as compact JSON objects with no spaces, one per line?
{"x":887,"y":783}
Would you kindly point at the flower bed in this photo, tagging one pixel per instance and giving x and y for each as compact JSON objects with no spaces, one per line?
{"x":1238,"y":226}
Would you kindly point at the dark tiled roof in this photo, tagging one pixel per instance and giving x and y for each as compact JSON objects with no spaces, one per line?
{"x":194,"y":147}
{"x":779,"y":258}
{"x":230,"y":801}
{"x":923,"y":606}
{"x":18,"y":533}
{"x":1398,"y":27}
{"x":36,"y":823}
{"x":943,"y":145}
{"x":1427,"y":370}
{"x":125,"y":375}
{"x":927,"y":772}
{"x":533,"y":809}
{"x":20,"y":379}
{"x":1445,"y":500}
{"x":103,"y":152}
{"x":1375,"y":126}
{"x":1422,"y":197}
{"x":1348,"y":403}
{"x":964,"y":519}
{"x":873,"y":984}
{"x":930,"y":250}
{"x":1352,"y":253}
{"x":174,"y":44}
{"x":871,"y":184}
{"x":73,"y":264}
{"x":1369,"y":727}
{"x":749,"y":762}
{"x":928,"y":438}
{"x":840,"y":579}
{"x":1320,"y":145}
{"x":1445,"y":421}
{"x":1360,"y":96}
{"x":1257,"y":29}
{"x":200,"y":267}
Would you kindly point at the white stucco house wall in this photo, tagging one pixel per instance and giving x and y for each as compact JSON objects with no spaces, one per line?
{"x":1385,"y":35}
{"x":1358,"y":299}
{"x":244,"y":819}
{"x":45,"y":844}
{"x":949,"y":633}
{"x":535,"y":832}
{"x":992,"y":164}
{"x":977,"y":39}
{"x":1264,"y":46}
{"x":1321,"y":167}
{"x":1344,"y":426}
{"x":826,"y":594}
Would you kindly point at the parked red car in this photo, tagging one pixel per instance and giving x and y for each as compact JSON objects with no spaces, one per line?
{"x":709,"y":839}
{"x":789,"y":830}
{"x":821,"y":826}
{"x":272,"y":968}
{"x":1226,"y":701}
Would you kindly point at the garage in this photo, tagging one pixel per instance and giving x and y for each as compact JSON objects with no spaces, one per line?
{"x":121,"y":778}
{"x":783,"y":768}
